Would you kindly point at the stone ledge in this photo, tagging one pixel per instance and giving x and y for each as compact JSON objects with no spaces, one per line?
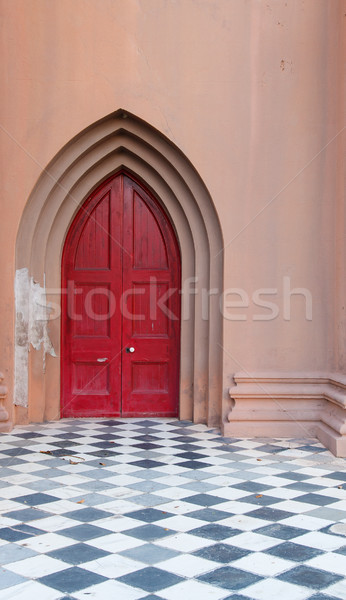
{"x":290,"y":405}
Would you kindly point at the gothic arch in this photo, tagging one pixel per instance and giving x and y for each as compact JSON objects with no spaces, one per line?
{"x":123,"y":141}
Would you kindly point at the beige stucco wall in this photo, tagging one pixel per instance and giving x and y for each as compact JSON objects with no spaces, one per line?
{"x":251,"y":91}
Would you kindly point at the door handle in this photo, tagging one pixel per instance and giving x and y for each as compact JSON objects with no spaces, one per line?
{"x":131,"y":349}
{"x":102,"y":359}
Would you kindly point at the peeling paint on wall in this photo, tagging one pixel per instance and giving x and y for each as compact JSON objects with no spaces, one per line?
{"x":32,"y":316}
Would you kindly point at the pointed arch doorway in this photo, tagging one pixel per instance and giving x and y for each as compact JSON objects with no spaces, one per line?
{"x":116,"y":142}
{"x":120,"y":306}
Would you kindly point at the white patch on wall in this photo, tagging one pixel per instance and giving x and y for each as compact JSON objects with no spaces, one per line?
{"x":32,"y":316}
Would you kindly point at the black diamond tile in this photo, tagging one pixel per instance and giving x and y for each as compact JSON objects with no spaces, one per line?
{"x":84,"y":532}
{"x":322,"y":597}
{"x":188,"y":448}
{"x":341,"y":550}
{"x":214,"y":531}
{"x":71,"y":580}
{"x":111,"y":423}
{"x":14,"y":461}
{"x":260,"y":499}
{"x":296,"y":552}
{"x":16,"y":452}
{"x":229,"y":578}
{"x":339,"y":475}
{"x":252,"y":486}
{"x":61,"y":452}
{"x":223,"y":553}
{"x":69,"y":436}
{"x":19,"y":532}
{"x":231,"y":597}
{"x":312,"y":448}
{"x":12,"y":535}
{"x":182,"y":439}
{"x":149,"y":553}
{"x":270,"y":449}
{"x":102,"y":453}
{"x":146,"y":446}
{"x":36,"y":499}
{"x":27,"y":514}
{"x":49,"y":473}
{"x":204,"y":499}
{"x":105,"y":445}
{"x":302,"y":486}
{"x":309,"y":577}
{"x":149,"y":423}
{"x":193,"y":464}
{"x":65,"y":444}
{"x":282,"y":532}
{"x":329,"y":530}
{"x":29,"y":435}
{"x":88,"y":515}
{"x":149,"y":515}
{"x":147,"y":464}
{"x":150,"y":579}
{"x":269,"y":514}
{"x":192,"y":455}
{"x":315,"y":499}
{"x":229,"y":448}
{"x":148,"y":438}
{"x":210,"y":514}
{"x":28,"y":529}
{"x":108,"y":436}
{"x":149,"y":532}
{"x":78,"y":554}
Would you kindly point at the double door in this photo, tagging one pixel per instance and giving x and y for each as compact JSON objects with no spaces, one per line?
{"x":120,"y":306}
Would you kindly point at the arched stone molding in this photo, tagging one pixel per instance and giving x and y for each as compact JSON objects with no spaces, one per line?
{"x":121,"y":141}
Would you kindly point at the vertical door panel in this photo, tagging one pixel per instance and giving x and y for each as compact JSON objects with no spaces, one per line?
{"x":91,"y":325}
{"x":151,"y":308}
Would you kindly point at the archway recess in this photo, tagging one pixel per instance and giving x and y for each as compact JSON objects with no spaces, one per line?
{"x":119,"y":141}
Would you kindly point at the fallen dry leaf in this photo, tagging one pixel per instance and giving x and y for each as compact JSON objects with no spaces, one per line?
{"x":45,"y":452}
{"x":259,"y":495}
{"x":259,"y":459}
{"x":102,"y":464}
{"x":80,"y":501}
{"x":73,"y":463}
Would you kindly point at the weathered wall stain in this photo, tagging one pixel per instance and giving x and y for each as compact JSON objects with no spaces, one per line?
{"x":32,"y":316}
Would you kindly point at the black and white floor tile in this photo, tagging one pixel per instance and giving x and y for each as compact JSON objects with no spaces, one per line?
{"x":164,"y":509}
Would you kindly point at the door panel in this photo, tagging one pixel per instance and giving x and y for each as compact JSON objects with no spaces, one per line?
{"x":151,"y":310}
{"x":94,"y":246}
{"x":121,"y":274}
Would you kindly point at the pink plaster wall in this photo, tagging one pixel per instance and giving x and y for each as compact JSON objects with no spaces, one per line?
{"x":251,"y":91}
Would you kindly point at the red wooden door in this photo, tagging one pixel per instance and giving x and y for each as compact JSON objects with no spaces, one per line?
{"x":120,"y":306}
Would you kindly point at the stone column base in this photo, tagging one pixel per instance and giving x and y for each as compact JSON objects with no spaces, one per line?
{"x":289,"y":405}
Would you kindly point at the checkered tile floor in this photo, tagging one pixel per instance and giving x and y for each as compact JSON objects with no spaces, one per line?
{"x":161,"y":509}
